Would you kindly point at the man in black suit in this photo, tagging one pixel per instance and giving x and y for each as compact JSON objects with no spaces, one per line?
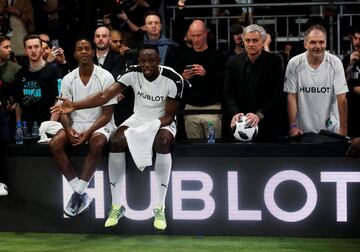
{"x":104,"y":56}
{"x":253,"y":85}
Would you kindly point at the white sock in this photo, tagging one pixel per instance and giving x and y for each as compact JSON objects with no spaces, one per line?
{"x":73,"y":183}
{"x":81,"y":186}
{"x":117,"y":169}
{"x":162,"y":172}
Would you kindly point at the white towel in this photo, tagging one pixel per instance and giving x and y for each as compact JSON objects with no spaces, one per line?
{"x":50,"y":127}
{"x":140,"y":142}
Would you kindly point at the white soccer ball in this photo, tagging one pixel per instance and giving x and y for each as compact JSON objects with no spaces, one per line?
{"x":244,"y":131}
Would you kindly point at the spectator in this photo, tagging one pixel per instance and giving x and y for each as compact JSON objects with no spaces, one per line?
{"x":316,"y":87}
{"x":36,"y":84}
{"x":94,"y":125}
{"x":9,"y":108}
{"x":8,"y":69}
{"x":205,"y":73}
{"x":152,"y":34}
{"x":119,"y":43}
{"x":21,"y":22}
{"x":253,"y":85}
{"x":351,"y":63}
{"x":236,"y":30}
{"x":104,"y":56}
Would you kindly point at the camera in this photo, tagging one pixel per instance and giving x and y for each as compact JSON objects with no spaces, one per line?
{"x":189,"y":67}
{"x":55,"y":43}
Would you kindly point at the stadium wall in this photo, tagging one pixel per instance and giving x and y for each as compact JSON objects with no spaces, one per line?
{"x":297,"y":190}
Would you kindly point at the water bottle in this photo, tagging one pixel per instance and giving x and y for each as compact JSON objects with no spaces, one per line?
{"x":19,"y":134}
{"x":35,"y":130}
{"x":25,"y":130}
{"x":211,"y":133}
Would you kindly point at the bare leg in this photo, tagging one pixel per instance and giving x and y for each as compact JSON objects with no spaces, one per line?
{"x":57,"y":146}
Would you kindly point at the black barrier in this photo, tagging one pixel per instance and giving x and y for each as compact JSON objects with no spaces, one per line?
{"x":302,"y":190}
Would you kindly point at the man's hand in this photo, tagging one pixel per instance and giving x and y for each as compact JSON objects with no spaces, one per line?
{"x":253,"y":119}
{"x":354,"y":148}
{"x":72,"y":135}
{"x":188,"y":74}
{"x":198,"y":70}
{"x":235,"y":119}
{"x":82,"y":138}
{"x":295,"y":132}
{"x":65,"y":107}
{"x":354,"y":57}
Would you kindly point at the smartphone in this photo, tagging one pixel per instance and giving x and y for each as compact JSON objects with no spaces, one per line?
{"x":189,"y":67}
{"x":54,"y":43}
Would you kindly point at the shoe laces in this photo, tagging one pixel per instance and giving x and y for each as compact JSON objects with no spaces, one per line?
{"x":114,"y":213}
{"x":159,"y":213}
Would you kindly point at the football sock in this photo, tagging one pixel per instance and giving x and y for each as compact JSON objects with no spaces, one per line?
{"x":73,"y":183}
{"x":117,"y":169}
{"x":162,"y":172}
{"x":81,"y":186}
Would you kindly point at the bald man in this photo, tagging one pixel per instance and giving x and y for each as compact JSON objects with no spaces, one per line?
{"x":203,"y":67}
{"x":104,"y":56}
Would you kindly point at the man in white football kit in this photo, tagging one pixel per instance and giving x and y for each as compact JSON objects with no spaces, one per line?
{"x":316,"y":87}
{"x":93,"y":126}
{"x":157,"y":90}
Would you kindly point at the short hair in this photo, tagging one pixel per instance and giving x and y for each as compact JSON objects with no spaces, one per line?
{"x":102,"y":26}
{"x":255,"y":28}
{"x":3,"y":38}
{"x":354,"y":29}
{"x":315,"y":27}
{"x":31,"y":36}
{"x":149,"y":46}
{"x":92,"y":44}
{"x":153,"y":13}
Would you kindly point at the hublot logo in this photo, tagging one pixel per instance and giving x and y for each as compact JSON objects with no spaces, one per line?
{"x":315,"y":90}
{"x":150,"y":98}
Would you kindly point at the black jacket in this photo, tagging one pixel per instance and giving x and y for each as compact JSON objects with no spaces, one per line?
{"x":114,"y":63}
{"x":268,"y":86}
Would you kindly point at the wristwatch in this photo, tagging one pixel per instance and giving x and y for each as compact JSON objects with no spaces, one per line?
{"x":260,"y":115}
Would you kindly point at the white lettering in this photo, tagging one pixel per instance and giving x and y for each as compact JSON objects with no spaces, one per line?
{"x":341,"y":179}
{"x":299,"y":177}
{"x":178,"y":195}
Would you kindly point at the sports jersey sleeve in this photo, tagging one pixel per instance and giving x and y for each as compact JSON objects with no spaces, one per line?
{"x":340,"y":84}
{"x":176,"y":89}
{"x":126,"y":76}
{"x":65,"y":87}
{"x":291,"y":85}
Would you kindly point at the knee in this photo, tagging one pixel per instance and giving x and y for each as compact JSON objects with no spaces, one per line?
{"x":55,"y":145}
{"x":97,"y":144}
{"x":118,"y":143}
{"x":162,"y":144}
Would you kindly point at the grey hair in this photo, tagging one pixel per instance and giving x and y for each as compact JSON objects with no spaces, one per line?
{"x":255,"y":28}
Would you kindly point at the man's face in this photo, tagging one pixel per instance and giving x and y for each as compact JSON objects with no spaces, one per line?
{"x":253,"y":43}
{"x":315,"y":43}
{"x":153,"y":25}
{"x":238,"y":39}
{"x":355,"y":40}
{"x":46,"y":50}
{"x":102,"y":38}
{"x":5,"y":50}
{"x":149,"y":62}
{"x":116,"y":41}
{"x":83,"y":52}
{"x":198,"y":38}
{"x":33,"y":49}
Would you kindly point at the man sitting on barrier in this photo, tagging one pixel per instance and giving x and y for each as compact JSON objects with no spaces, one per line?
{"x":93,"y":126}
{"x":157,"y":90}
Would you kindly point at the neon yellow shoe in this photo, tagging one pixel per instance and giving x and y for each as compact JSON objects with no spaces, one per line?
{"x":115,"y":213}
{"x":160,"y":220}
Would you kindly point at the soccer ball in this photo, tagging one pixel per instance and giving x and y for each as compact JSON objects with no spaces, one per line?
{"x":244,"y":131}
